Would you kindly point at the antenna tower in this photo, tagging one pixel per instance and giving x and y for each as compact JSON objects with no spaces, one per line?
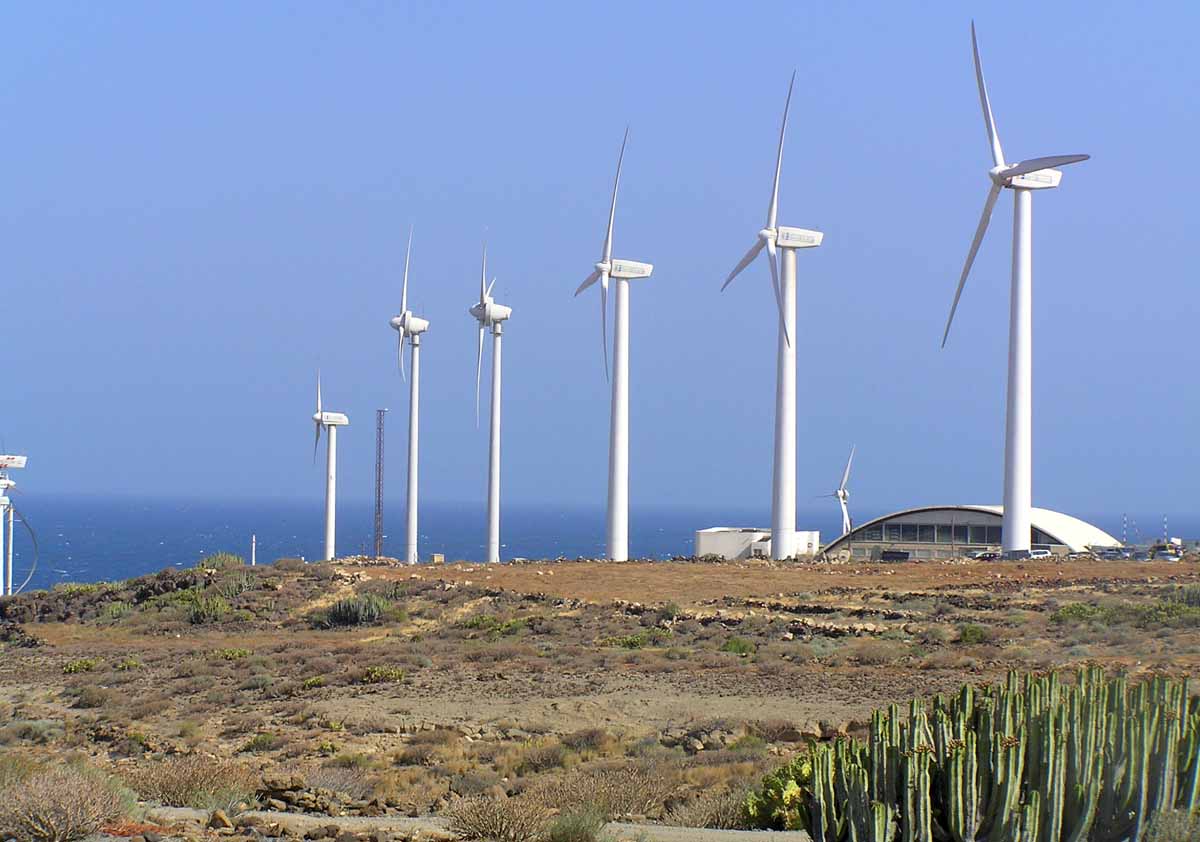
{"x":379,"y":415}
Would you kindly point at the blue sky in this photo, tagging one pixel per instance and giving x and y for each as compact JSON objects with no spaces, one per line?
{"x":203,"y":203}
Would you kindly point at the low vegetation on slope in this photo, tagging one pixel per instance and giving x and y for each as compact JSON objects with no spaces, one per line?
{"x":393,"y":690}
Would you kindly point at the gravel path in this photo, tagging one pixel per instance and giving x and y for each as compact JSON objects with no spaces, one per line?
{"x":434,"y":825}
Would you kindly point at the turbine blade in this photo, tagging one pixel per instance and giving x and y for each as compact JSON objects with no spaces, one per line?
{"x":778,"y":291}
{"x":993,"y":136}
{"x":591,"y":279}
{"x":846,"y":524}
{"x":1035,"y":164}
{"x":604,"y":319}
{"x":773,"y":210}
{"x":846,"y":473}
{"x":612,"y":209}
{"x":990,"y":203}
{"x":489,"y":289}
{"x":318,"y":391}
{"x":400,"y":353}
{"x":483,"y":276}
{"x":478,"y":370}
{"x":404,"y":294}
{"x":744,"y":262}
{"x":316,"y":442}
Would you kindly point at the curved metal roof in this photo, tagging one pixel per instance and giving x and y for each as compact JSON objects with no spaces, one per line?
{"x":1067,"y":530}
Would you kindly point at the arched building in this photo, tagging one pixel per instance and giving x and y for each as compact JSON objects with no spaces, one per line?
{"x":952,"y":531}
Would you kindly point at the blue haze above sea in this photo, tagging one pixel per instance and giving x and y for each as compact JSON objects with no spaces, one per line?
{"x":84,"y":539}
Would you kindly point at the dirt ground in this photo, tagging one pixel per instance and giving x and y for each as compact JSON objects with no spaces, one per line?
{"x":721,"y":668}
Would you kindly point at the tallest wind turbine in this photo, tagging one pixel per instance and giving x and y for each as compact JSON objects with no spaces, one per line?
{"x":1021,"y":178}
{"x":774,"y":237}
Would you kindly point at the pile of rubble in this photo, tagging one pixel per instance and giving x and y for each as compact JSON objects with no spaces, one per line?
{"x":289,"y":793}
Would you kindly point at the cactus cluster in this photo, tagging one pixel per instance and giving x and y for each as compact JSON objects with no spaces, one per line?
{"x":1030,"y":760}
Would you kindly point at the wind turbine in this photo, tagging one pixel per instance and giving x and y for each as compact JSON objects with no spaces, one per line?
{"x":411,"y":327}
{"x":842,"y":494}
{"x":778,"y":237}
{"x":329,"y":421}
{"x":490,"y":314}
{"x":1021,"y":178}
{"x":621,"y":271}
{"x":7,"y":511}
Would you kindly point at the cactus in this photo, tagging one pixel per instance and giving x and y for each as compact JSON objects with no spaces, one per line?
{"x":1031,"y":760}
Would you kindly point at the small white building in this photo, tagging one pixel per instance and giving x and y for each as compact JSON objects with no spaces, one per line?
{"x":735,"y":542}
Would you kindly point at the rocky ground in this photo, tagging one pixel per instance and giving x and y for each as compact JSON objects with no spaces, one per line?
{"x":375,"y":691}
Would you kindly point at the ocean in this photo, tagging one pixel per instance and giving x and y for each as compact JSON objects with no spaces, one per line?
{"x":84,"y":539}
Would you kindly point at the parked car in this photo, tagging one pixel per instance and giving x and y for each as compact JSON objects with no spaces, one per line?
{"x":1039,"y":554}
{"x":985,"y":555}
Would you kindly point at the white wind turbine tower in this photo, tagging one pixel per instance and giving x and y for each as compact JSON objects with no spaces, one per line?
{"x":329,"y":421}
{"x":7,"y":510}
{"x":1021,"y":178}
{"x":490,"y":314}
{"x":410,"y":327}
{"x":773,"y":237}
{"x":621,"y":271}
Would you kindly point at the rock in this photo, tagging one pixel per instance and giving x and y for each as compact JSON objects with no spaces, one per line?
{"x":276,"y":805}
{"x":219,"y":821}
{"x":315,"y":833}
{"x":138,"y":838}
{"x":151,"y":836}
{"x":693,"y":745}
{"x":346,"y":836}
{"x":282,"y":782}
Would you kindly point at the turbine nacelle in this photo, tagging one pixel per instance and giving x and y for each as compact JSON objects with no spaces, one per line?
{"x":1036,"y":180}
{"x":630,"y":269}
{"x":330,"y":419}
{"x":488,"y":312}
{"x":409,"y":325}
{"x":797,"y":238}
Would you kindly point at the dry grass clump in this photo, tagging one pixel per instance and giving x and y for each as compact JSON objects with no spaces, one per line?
{"x":60,"y":804}
{"x":347,"y":780}
{"x":542,"y":757}
{"x":589,"y":739}
{"x":637,"y":789}
{"x":773,"y":730}
{"x":194,"y":780}
{"x":15,"y":768}
{"x":581,"y":826}
{"x":723,"y":809}
{"x":497,"y":819}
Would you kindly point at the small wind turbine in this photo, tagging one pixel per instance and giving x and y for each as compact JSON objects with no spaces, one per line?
{"x":329,"y":421}
{"x":842,"y":494}
{"x":773,"y":237}
{"x":1021,"y":178}
{"x":409,"y":326}
{"x":490,"y":314}
{"x":622,"y":271}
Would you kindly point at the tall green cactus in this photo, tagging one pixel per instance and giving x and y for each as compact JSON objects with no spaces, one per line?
{"x":1031,"y":760}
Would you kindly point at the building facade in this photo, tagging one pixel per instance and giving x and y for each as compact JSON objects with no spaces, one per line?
{"x":933,"y":532}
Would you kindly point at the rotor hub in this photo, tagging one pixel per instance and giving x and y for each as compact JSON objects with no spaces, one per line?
{"x":997,"y":175}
